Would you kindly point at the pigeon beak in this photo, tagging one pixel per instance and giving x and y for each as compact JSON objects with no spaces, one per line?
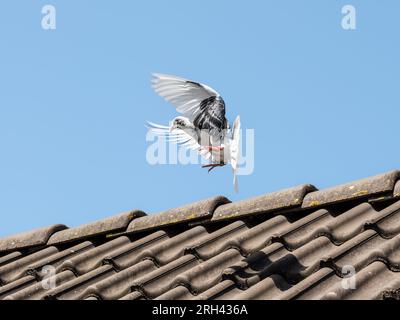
{"x":171,"y":128}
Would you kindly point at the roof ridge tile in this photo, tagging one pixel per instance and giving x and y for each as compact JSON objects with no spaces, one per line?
{"x":29,"y":239}
{"x":354,"y":190}
{"x":103,"y":226}
{"x":284,"y":199}
{"x":194,"y":211}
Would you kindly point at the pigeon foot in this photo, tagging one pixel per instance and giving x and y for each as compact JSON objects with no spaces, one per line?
{"x":213,"y":166}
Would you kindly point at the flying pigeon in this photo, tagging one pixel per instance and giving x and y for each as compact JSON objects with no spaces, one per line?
{"x":203,"y":125}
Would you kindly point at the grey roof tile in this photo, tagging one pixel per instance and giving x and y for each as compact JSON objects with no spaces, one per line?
{"x":162,"y":279}
{"x":209,"y":273}
{"x":104,"y":226}
{"x":276,"y":259}
{"x":14,"y":270}
{"x":136,"y":295}
{"x":10,"y":257}
{"x":224,"y":290}
{"x":243,"y":272}
{"x":16,"y":286}
{"x":283,"y":199}
{"x":311,"y":287}
{"x":392,"y":293}
{"x":55,"y":260}
{"x":396,"y":192}
{"x":266,"y":289}
{"x":306,"y":229}
{"x":360,"y":256}
{"x":388,"y":221}
{"x":339,"y":229}
{"x":173,"y":248}
{"x":370,"y":283}
{"x":131,"y":253}
{"x":73,"y":289}
{"x":247,"y":240}
{"x":112,"y":288}
{"x":213,"y":243}
{"x":177,"y":293}
{"x":191,"y":212}
{"x":89,"y":260}
{"x":38,"y":289}
{"x":29,"y":239}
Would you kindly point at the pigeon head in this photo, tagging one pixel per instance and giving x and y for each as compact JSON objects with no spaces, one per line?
{"x":180,"y":123}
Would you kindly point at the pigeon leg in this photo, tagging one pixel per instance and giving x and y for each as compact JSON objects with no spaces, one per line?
{"x":211,"y":148}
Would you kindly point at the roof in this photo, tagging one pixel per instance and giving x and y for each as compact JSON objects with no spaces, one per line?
{"x":299,"y":243}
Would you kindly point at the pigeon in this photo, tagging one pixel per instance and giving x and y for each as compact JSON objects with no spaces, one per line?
{"x":202,"y":125}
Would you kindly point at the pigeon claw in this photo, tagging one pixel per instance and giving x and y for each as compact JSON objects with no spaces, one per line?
{"x":212,"y":166}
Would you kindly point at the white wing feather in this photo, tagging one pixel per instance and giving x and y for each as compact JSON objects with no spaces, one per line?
{"x":184,"y":94}
{"x":179,"y":137}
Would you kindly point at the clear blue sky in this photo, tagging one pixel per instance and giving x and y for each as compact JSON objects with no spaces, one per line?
{"x":324,"y":102}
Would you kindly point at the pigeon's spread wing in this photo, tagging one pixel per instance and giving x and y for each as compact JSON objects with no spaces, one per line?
{"x":184,"y":94}
{"x":211,"y":115}
{"x":179,"y":137}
